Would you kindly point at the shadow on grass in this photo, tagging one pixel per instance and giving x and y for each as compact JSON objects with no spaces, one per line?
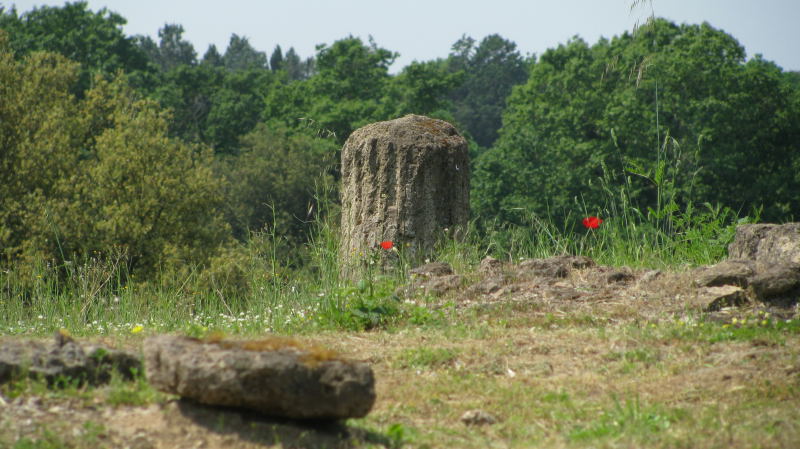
{"x":262,"y":429}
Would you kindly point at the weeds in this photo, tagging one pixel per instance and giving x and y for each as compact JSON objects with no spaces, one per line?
{"x":428,"y":358}
{"x":629,"y":418}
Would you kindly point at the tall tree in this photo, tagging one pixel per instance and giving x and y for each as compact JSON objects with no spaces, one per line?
{"x":350,"y":81}
{"x":240,"y":55}
{"x":676,"y":106}
{"x":81,"y":177}
{"x":172,"y":50}
{"x":212,"y":57}
{"x":490,"y":69}
{"x":93,"y":39}
{"x":296,"y":68}
{"x":422,"y":88}
{"x":276,"y":60}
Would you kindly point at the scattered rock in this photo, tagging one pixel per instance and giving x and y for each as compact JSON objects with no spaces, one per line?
{"x":432,"y":269}
{"x":555,"y":267}
{"x":650,"y":275}
{"x":64,"y":359}
{"x":761,"y":269}
{"x":274,"y":376}
{"x":767,"y":244}
{"x":485,"y":286}
{"x":712,"y":299}
{"x":619,"y":276}
{"x":777,"y":284}
{"x":550,"y":268}
{"x":490,"y":265}
{"x":728,"y":272}
{"x":477,"y":418}
{"x":435,"y":286}
{"x":435,"y":278}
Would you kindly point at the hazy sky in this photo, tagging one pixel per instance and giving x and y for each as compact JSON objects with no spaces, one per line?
{"x":426,"y":29}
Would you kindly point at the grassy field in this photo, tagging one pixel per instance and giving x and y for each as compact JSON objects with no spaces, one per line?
{"x":635,"y":368}
{"x":619,"y":374}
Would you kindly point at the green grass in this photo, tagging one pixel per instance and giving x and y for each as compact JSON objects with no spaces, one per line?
{"x":425,"y":357}
{"x":563,"y":378}
{"x":629,"y":418}
{"x":252,"y":289}
{"x":90,"y":434}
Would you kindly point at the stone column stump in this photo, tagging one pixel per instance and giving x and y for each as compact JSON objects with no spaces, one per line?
{"x":406,"y":181}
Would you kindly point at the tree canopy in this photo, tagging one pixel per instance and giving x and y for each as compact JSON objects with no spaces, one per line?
{"x":670,"y":107}
{"x":111,"y":141}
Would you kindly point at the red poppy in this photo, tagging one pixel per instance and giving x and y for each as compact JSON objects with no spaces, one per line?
{"x":592,"y":222}
{"x":387,"y":244}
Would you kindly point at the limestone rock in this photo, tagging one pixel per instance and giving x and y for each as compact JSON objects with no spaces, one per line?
{"x":727,"y":272}
{"x":710,"y":299}
{"x":440,"y":285}
{"x":766,"y":244}
{"x":432,"y":269}
{"x":276,"y":377}
{"x":64,"y":359}
{"x":477,"y":418}
{"x":435,"y":278}
{"x":555,"y":267}
{"x":404,"y":180}
{"x":490,"y":265}
{"x":619,"y":277}
{"x":778,"y":284}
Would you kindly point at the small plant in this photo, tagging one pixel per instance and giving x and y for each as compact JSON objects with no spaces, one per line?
{"x":631,"y":419}
{"x":398,"y":435}
{"x":136,"y":392}
{"x":428,"y":358}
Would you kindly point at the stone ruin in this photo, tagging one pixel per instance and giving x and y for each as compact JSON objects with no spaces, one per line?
{"x":763,"y":265}
{"x":274,"y":376}
{"x":406,"y":181}
{"x":762,"y":272}
{"x":64,"y":360}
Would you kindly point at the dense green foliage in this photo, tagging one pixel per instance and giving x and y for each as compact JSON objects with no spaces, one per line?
{"x":90,"y":176}
{"x":93,"y":39}
{"x":671,"y":109}
{"x":124,"y":146}
{"x":490,"y":70}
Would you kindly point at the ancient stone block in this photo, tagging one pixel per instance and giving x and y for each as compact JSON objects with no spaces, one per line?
{"x":274,"y":376}
{"x":405,"y":181}
{"x":64,"y":360}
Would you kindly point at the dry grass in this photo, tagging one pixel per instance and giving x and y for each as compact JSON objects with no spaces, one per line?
{"x":621,"y":366}
{"x":578,"y":384}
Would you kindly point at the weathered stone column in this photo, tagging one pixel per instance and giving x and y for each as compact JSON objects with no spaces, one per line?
{"x":404,"y":180}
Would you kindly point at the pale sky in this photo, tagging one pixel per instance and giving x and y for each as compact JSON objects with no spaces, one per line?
{"x":426,"y":29}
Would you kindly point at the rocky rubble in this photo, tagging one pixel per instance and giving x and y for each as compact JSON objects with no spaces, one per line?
{"x":64,"y":359}
{"x":763,"y":268}
{"x":763,"y":262}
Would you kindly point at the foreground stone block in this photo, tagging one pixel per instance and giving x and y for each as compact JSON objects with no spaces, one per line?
{"x":404,"y":180}
{"x":275,"y":376}
{"x":64,"y":360}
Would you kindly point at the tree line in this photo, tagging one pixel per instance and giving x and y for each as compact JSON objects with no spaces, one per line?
{"x":121,"y":144}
